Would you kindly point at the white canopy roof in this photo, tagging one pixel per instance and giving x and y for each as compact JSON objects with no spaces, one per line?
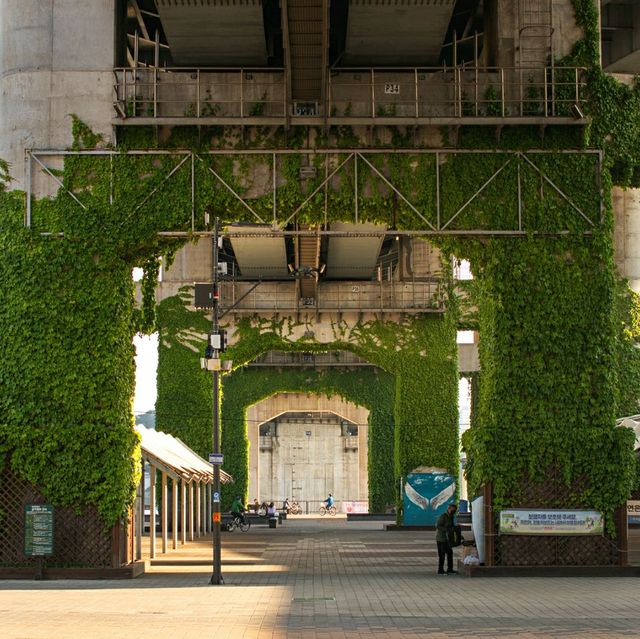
{"x":175,"y":458}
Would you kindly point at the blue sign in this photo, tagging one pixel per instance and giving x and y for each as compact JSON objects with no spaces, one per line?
{"x":216,"y":458}
{"x":426,"y":497}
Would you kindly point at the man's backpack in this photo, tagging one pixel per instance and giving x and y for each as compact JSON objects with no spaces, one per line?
{"x":455,"y":536}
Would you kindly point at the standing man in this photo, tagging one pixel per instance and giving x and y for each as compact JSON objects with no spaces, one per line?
{"x":444,"y":537}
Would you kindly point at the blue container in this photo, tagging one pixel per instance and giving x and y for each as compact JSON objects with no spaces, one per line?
{"x":426,"y":497}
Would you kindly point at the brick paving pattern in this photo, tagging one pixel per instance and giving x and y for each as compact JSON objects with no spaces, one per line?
{"x":318,"y":579}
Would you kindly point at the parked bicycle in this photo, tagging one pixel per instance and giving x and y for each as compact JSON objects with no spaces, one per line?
{"x":294,"y":508}
{"x":238,"y":522}
{"x":332,"y":510}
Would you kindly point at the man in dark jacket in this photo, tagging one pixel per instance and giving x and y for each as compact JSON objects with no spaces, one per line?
{"x":444,"y":535}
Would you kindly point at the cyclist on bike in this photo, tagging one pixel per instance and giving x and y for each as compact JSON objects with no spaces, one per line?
{"x":328,"y":502}
{"x":237,"y":509}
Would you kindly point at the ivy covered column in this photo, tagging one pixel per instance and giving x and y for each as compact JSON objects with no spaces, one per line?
{"x":426,"y":402}
{"x":66,"y":367}
{"x":548,"y":393}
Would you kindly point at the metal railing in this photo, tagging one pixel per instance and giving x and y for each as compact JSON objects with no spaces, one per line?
{"x":219,"y":95}
{"x":208,"y":92}
{"x":390,"y":296}
{"x":456,"y":92}
{"x":311,"y":360}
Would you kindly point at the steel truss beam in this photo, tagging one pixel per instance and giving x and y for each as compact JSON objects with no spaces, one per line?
{"x":342,"y":158}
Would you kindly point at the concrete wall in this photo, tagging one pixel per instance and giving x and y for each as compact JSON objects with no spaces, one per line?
{"x":56,"y":58}
{"x":621,"y":49}
{"x":626,"y":210}
{"x":565,"y":31}
{"x":509,"y":43}
{"x":193,"y":264}
{"x":308,"y":460}
{"x":270,"y":474}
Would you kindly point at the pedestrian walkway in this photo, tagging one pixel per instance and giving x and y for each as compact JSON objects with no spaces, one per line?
{"x":312,"y":579}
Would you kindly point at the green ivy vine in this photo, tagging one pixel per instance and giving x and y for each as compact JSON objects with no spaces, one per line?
{"x":409,"y":426}
{"x":558,"y":331}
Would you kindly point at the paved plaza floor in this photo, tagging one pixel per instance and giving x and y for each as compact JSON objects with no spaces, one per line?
{"x":317,"y":578}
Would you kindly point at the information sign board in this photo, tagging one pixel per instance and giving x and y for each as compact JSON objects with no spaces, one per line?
{"x":38,"y":530}
{"x":216,"y":458}
{"x":551,"y":522}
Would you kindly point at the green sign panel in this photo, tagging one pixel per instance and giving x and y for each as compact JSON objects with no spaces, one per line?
{"x":38,"y":530}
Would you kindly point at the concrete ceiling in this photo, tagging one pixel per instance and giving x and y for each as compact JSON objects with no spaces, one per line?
{"x":260,"y":258}
{"x":214,"y":32}
{"x":353,"y":257}
{"x":396,"y":32}
{"x":629,"y":64}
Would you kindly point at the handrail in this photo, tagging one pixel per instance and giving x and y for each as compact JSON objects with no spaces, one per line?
{"x":450,"y":69}
{"x":216,"y":93}
{"x":194,"y":69}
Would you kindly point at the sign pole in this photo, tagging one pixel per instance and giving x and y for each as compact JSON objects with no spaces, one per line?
{"x":216,"y":577}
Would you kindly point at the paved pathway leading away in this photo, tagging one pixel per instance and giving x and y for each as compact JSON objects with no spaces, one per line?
{"x":318,"y":579}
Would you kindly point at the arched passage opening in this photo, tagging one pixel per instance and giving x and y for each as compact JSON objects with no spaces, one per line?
{"x":409,"y":386}
{"x":305,"y":446}
{"x":371,"y":391}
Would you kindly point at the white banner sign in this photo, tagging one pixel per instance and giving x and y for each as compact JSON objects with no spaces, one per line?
{"x":355,"y":506}
{"x":551,"y":522}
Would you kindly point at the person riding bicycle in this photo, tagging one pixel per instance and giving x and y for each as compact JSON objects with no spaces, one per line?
{"x":237,"y":509}
{"x":328,"y":502}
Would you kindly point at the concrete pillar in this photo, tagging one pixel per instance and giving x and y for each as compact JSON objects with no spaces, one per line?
{"x":163,"y":510}
{"x":203,"y":508}
{"x":198,"y":509}
{"x":363,"y":455}
{"x":253,"y":435}
{"x":626,"y":210}
{"x":56,"y":58}
{"x":174,"y":513}
{"x":183,"y":514}
{"x":140,"y":516}
{"x":207,"y":507}
{"x":190,"y":511}
{"x":152,"y":512}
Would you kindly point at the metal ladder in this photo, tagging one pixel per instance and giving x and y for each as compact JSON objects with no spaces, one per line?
{"x":305,"y":30}
{"x":535,"y":29}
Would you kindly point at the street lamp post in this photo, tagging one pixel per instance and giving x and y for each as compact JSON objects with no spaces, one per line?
{"x":211,"y":361}
{"x":215,"y":345}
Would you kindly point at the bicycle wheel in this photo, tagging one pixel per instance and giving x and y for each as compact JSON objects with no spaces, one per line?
{"x":245,"y":525}
{"x":333,"y":511}
{"x":295,"y":509}
{"x":231,"y":525}
{"x":323,"y":511}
